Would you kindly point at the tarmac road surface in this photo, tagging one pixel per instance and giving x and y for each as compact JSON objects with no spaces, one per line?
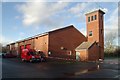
{"x":15,"y":68}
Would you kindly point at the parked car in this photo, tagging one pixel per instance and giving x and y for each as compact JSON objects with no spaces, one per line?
{"x":8,"y":55}
{"x":43,"y":57}
{"x":30,"y":55}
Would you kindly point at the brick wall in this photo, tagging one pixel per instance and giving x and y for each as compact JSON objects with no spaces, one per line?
{"x":93,"y":53}
{"x":41,"y":43}
{"x":68,"y":39}
{"x":84,"y":55}
{"x":93,"y":26}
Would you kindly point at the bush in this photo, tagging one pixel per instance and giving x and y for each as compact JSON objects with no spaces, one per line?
{"x":115,"y":53}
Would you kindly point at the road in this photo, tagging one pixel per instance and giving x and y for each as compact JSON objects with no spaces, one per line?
{"x":14,"y":68}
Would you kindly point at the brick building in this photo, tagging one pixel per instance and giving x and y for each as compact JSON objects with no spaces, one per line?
{"x":60,"y":43}
{"x":68,"y":42}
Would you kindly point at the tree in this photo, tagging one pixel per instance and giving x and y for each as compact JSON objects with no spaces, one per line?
{"x":110,"y":42}
{"x":0,"y":47}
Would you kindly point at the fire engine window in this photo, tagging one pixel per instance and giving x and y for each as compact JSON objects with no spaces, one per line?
{"x":88,"y":19}
{"x":32,"y":53}
{"x":90,"y":33}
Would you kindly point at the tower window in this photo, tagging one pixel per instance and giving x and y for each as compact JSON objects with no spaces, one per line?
{"x":91,"y":18}
{"x":90,"y":33}
{"x":101,"y":16}
{"x":95,"y":17}
{"x":88,"y":19}
{"x":101,"y":31}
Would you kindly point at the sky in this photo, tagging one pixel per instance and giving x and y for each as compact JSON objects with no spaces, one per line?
{"x":24,"y":19}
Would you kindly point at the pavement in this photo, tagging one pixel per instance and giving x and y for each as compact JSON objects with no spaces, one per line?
{"x":15,"y":68}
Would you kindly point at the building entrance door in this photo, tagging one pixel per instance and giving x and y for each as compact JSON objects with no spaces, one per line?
{"x":78,"y":56}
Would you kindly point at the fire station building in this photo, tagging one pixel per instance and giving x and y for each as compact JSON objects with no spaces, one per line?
{"x":68,"y":42}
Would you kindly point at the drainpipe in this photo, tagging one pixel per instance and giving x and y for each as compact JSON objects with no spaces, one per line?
{"x":33,"y":43}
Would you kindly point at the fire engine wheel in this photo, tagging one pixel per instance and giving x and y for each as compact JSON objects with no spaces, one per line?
{"x":23,"y":60}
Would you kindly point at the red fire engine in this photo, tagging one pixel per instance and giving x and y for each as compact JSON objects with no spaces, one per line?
{"x":31,"y":55}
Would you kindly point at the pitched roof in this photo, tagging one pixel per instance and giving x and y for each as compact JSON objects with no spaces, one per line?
{"x":42,"y":34}
{"x":100,"y":10}
{"x":58,"y":29}
{"x":85,"y":45}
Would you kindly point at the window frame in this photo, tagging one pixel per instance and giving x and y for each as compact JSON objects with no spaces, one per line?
{"x":95,"y":17}
{"x":92,"y":18}
{"x":101,"y":31}
{"x":89,"y":19}
{"x":90,"y":33}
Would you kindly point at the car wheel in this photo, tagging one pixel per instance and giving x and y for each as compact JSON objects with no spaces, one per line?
{"x":30,"y":60}
{"x":41,"y":59}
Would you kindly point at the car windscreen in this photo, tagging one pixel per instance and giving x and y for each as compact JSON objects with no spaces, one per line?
{"x":32,"y":53}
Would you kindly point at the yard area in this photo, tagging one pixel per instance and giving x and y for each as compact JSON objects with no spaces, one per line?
{"x":14,"y":68}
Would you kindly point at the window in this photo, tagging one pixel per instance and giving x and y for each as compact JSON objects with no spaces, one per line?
{"x":91,"y":18}
{"x":95,"y":17}
{"x":101,"y":16}
{"x":88,"y":19}
{"x":90,"y":33}
{"x":101,"y":31}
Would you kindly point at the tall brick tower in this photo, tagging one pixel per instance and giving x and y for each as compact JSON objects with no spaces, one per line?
{"x":95,"y":29}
